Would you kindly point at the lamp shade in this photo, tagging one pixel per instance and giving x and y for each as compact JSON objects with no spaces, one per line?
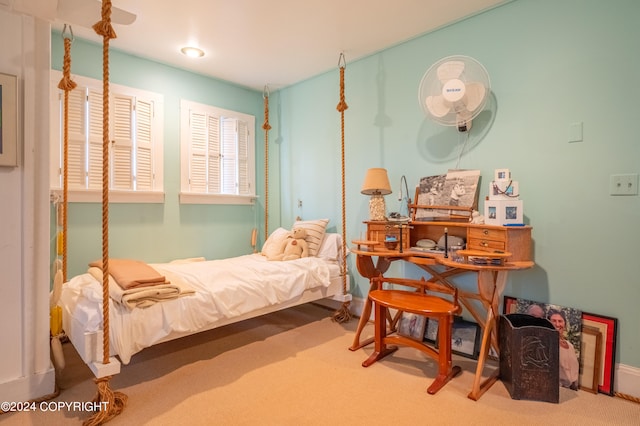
{"x":376,"y":182}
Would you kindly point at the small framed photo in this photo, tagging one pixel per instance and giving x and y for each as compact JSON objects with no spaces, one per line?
{"x":503,"y":212}
{"x":509,"y":305}
{"x":431,"y":331}
{"x":503,"y":190}
{"x":8,"y":120}
{"x":465,"y":338}
{"x":412,"y":325}
{"x":590,"y":353}
{"x":501,"y":174}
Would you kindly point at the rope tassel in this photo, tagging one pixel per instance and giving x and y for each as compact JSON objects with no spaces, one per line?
{"x":111,"y":403}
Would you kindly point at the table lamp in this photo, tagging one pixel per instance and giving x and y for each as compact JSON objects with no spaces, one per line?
{"x":376,"y":184}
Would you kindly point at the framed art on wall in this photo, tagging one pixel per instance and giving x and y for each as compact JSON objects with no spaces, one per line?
{"x":8,"y":120}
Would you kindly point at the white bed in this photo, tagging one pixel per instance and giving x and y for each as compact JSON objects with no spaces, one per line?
{"x":224,"y":291}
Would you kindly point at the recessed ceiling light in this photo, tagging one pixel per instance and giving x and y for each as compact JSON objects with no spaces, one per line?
{"x":192,"y":52}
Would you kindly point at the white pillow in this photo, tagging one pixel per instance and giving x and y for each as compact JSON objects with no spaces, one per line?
{"x":330,"y":247}
{"x":315,"y":233}
{"x":275,"y":243}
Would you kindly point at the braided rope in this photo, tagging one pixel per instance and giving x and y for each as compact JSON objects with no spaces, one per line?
{"x":266,"y":126}
{"x":343,"y":314}
{"x":115,"y":401}
{"x":67,"y":85}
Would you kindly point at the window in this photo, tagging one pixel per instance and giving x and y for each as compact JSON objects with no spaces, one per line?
{"x":135,"y":126}
{"x":217,"y":155}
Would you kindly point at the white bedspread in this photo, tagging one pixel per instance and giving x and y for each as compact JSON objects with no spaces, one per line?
{"x":224,"y":288}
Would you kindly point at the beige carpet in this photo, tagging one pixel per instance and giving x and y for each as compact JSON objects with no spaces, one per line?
{"x":293,"y":368}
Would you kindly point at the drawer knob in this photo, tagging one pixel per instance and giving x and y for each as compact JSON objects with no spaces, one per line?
{"x":484,"y":244}
{"x":485,"y":232}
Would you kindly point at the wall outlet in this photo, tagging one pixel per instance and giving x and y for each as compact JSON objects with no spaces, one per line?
{"x":623,"y":184}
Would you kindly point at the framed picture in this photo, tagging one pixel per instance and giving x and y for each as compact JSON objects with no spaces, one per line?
{"x":412,"y":325}
{"x":568,"y":322}
{"x":8,"y":120}
{"x":509,"y":305}
{"x":431,"y":331}
{"x":503,"y":212}
{"x":590,"y":354}
{"x":430,"y":192}
{"x":608,"y":327}
{"x":447,"y":197}
{"x":465,"y":338}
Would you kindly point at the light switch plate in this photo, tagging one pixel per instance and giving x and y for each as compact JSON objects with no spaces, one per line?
{"x":575,"y":132}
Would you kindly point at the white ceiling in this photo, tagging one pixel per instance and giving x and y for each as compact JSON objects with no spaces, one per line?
{"x":255,"y":43}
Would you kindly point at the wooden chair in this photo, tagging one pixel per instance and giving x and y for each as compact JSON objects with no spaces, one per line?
{"x":420,"y":303}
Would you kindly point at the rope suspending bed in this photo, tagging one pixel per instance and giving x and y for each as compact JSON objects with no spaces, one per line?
{"x":266,"y":126}
{"x":343,"y":314}
{"x":104,"y":369}
{"x":114,"y":402}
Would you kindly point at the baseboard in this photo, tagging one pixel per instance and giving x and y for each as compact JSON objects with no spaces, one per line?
{"x":29,"y":388}
{"x":627,"y":378}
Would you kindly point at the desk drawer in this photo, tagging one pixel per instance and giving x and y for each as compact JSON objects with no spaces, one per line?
{"x":488,"y":234}
{"x":485,"y":244}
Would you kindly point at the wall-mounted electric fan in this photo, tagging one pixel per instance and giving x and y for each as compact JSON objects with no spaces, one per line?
{"x":454,"y":91}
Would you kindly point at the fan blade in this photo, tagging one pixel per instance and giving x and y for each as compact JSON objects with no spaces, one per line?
{"x":85,"y":13}
{"x":475,"y":93}
{"x":449,"y":70}
{"x":437,"y":106}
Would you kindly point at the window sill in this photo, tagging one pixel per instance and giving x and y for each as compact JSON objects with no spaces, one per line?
{"x":191,"y":198}
{"x":93,"y":196}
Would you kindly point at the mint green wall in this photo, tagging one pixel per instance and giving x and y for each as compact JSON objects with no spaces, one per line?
{"x":551,"y":63}
{"x":161,"y":232}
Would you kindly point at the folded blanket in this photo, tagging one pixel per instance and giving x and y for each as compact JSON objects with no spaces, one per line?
{"x":141,"y":297}
{"x":130,"y":273}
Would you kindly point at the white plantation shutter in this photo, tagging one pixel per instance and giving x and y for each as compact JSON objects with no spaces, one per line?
{"x":217,"y":149}
{"x":77,"y":152}
{"x":135,"y":150}
{"x":244,"y":186}
{"x":229,"y":156}
{"x":94,"y":179}
{"x":144,"y":145}
{"x":214,"y":154}
{"x":198,"y":152}
{"x":121,"y":149}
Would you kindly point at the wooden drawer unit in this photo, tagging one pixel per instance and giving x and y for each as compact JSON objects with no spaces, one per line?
{"x":378,"y":231}
{"x":486,"y":239}
{"x":515,"y":240}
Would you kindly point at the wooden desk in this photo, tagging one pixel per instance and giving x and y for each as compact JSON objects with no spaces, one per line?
{"x":491,"y":279}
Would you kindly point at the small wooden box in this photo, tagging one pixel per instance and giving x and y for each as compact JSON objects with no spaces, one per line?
{"x":378,"y":231}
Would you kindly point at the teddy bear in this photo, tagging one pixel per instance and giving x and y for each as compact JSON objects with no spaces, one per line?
{"x":296,"y":246}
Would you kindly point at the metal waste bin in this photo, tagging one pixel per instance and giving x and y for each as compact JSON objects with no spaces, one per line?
{"x":529,"y":357}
